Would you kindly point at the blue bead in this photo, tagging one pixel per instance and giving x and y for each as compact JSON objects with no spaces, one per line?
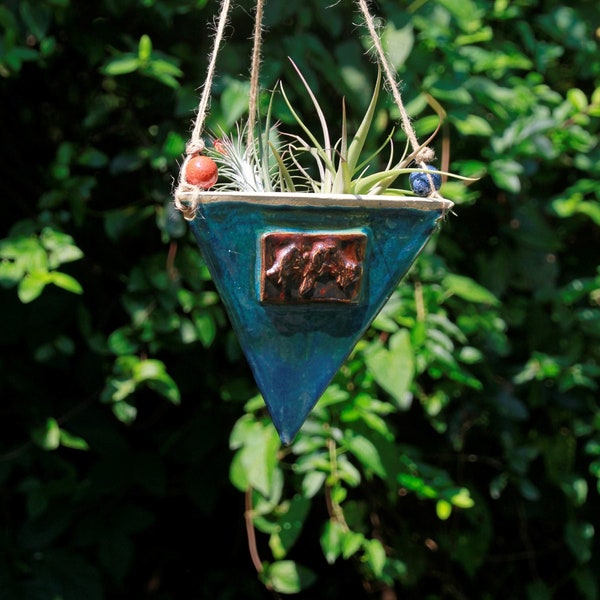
{"x":419,"y":182}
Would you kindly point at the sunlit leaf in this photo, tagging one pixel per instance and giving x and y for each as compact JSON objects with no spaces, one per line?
{"x":375,"y":555}
{"x":288,"y":577}
{"x":144,"y":48}
{"x":121,"y":65}
{"x":331,"y":540}
{"x":47,"y":436}
{"x":366,"y":452}
{"x":393,"y":367}
{"x":467,"y":289}
{"x":64,"y":281}
{"x":32,"y":285}
{"x":443,"y":509}
{"x":69,"y":440}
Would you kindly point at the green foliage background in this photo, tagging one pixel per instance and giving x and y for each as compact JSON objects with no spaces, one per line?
{"x":457,"y":452}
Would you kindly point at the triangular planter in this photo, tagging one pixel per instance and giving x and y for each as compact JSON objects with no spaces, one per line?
{"x":302,"y":276}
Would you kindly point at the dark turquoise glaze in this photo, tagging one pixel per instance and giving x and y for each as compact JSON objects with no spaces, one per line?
{"x":294,"y":350}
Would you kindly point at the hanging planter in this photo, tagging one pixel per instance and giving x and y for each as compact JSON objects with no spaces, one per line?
{"x":305,"y":242}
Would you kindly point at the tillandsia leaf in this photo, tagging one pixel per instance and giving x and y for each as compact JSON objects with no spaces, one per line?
{"x":243,"y":167}
{"x":343,"y":175}
{"x":365,"y":163}
{"x":327,"y":146}
{"x":376,"y":183}
{"x":317,"y":186}
{"x":286,"y":179}
{"x":396,"y":192}
{"x":366,"y":185}
{"x":265,"y":148}
{"x":323,"y":155}
{"x":360,"y":137}
{"x":320,"y":113}
{"x":386,"y":183}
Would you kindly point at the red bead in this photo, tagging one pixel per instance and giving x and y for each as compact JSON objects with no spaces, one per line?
{"x":201,"y":171}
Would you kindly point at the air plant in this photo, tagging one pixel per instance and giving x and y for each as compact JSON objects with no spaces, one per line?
{"x":274,"y":161}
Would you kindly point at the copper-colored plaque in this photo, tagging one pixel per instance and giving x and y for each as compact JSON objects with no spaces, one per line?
{"x":308,"y":267}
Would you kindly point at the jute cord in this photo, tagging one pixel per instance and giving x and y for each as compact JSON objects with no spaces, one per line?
{"x":186,"y":195}
{"x":422,"y":155}
{"x":254,"y":71}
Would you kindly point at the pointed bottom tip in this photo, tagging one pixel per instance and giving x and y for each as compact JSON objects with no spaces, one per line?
{"x":286,"y":440}
{"x":287,"y":430}
{"x":287,"y":436}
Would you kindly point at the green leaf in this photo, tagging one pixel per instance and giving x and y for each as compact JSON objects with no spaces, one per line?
{"x":66,"y":282}
{"x":470,"y":355}
{"x":393,"y":368}
{"x":576,"y":489}
{"x":32,"y":285}
{"x":92,"y":158}
{"x":37,"y":18}
{"x":360,"y":137}
{"x":578,"y":99}
{"x":258,"y":454}
{"x":122,"y":65}
{"x":238,"y":476}
{"x":291,"y":521}
{"x":125,"y":412}
{"x":352,"y":542}
{"x":11,"y":272}
{"x":398,"y":43}
{"x":160,"y":67}
{"x":366,"y":452}
{"x":166,"y":387}
{"x":47,"y":436}
{"x":506,"y":174}
{"x":288,"y":577}
{"x":417,"y":484}
{"x":206,"y":327}
{"x":144,"y":48}
{"x":575,"y":204}
{"x":148,"y":369}
{"x":376,"y":556}
{"x":68,"y":440}
{"x":331,"y":540}
{"x":313,"y":483}
{"x":153,"y":373}
{"x":174,"y":145}
{"x":469,"y":290}
{"x":122,"y":342}
{"x":473,"y":125}
{"x":462,"y":499}
{"x":234,"y":101}
{"x":443,"y":509}
{"x":162,"y":71}
{"x":579,"y":536}
{"x":586,"y":579}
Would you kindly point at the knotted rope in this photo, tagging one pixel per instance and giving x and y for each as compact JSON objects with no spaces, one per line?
{"x":254,"y":71}
{"x":186,"y":195}
{"x":422,"y":155}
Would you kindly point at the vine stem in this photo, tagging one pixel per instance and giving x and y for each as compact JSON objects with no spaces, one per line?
{"x":251,"y":533}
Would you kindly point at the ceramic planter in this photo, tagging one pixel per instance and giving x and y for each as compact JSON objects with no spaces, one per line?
{"x":302,"y":276}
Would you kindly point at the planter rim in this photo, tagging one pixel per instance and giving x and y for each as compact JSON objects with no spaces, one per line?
{"x":324,"y":200}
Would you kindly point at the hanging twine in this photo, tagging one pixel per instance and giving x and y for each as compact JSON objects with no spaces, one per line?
{"x":254,"y":71}
{"x":422,"y":155}
{"x":186,"y":195}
